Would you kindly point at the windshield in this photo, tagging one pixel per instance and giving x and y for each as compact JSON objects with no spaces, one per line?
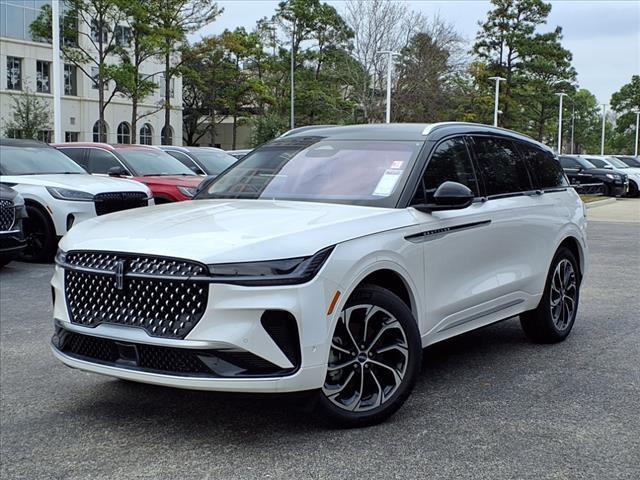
{"x":632,"y":162}
{"x":153,"y":162}
{"x":35,"y":160}
{"x":213,"y":161}
{"x":320,"y":170}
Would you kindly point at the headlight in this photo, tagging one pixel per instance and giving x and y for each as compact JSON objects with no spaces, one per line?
{"x":611,"y":176}
{"x":61,"y":257}
{"x":288,"y":271}
{"x":73,"y":195}
{"x":187,"y":191}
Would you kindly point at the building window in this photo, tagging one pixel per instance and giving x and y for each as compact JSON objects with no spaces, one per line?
{"x":95,"y":30}
{"x":70,"y":80}
{"x":71,"y":136}
{"x":14,"y":73}
{"x":124,"y":133}
{"x":163,"y":89}
{"x":43,"y":76}
{"x":95,"y":74}
{"x":146,"y":134}
{"x":122,"y":35}
{"x":14,"y":133}
{"x":45,"y":135}
{"x":100,"y":132}
{"x":167,"y":136}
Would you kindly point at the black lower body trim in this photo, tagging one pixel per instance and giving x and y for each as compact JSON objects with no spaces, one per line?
{"x":175,"y":361}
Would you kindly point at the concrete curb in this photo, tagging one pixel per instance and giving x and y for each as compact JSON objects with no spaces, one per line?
{"x":600,"y":203}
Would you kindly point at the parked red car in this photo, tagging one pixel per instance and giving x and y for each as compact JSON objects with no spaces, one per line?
{"x":168,"y":179}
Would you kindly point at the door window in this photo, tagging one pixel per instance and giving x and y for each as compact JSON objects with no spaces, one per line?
{"x":501,"y":168}
{"x":546,"y":171}
{"x":100,"y":161}
{"x":449,"y":162}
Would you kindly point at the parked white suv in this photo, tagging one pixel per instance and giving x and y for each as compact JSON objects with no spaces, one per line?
{"x":326,"y":261}
{"x":59,"y":194}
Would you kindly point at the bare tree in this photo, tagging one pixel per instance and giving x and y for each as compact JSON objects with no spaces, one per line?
{"x":377,"y":25}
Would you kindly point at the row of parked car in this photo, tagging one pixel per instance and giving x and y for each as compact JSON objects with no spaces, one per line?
{"x":48,"y":188}
{"x":612,"y":176}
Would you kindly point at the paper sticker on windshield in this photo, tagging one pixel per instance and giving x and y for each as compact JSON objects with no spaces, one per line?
{"x":397,"y":165}
{"x":387,"y":183}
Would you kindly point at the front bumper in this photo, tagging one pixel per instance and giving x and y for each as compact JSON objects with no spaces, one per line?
{"x":233,"y":323}
{"x":12,"y":242}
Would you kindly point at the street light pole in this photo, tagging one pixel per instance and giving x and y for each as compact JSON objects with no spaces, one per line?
{"x":293,"y":68}
{"x":604,"y":117}
{"x":495,"y":106}
{"x":390,"y":54}
{"x":561,"y":95}
{"x":573,"y":122}
{"x":56,"y":73}
{"x":637,"y":128}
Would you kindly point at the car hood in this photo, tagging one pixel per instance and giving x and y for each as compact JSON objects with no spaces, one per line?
{"x":182,"y":180}
{"x":84,"y":182}
{"x":219,"y":231}
{"x":600,"y":171}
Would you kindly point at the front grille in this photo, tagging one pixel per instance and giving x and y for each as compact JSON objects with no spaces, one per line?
{"x":165,"y":360}
{"x":168,"y":305}
{"x":116,"y":201}
{"x":7,"y":215}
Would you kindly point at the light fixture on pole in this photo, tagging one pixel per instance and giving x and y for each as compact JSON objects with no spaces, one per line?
{"x":604,"y":118}
{"x":390,"y":54}
{"x":56,"y":73}
{"x":561,"y":95}
{"x":637,"y":128}
{"x":495,"y":106}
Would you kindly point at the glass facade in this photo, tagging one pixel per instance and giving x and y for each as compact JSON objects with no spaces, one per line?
{"x":17,"y":15}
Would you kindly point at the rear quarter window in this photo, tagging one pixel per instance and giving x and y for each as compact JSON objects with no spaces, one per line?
{"x":545,"y":170}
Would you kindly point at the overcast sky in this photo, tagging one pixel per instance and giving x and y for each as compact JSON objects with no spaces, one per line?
{"x":603,"y":35}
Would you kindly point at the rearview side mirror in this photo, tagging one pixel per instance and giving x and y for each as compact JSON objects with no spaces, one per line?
{"x":448,"y":196}
{"x":117,"y":171}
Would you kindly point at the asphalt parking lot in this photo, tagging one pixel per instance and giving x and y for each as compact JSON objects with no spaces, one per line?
{"x":487,"y":405}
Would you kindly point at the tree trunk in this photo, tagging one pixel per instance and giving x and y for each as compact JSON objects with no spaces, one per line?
{"x":134,"y":118}
{"x":235,"y":127}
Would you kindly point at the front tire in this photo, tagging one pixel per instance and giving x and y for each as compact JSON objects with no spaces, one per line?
{"x":554,"y":317}
{"x":374,"y":359}
{"x":39,"y":235}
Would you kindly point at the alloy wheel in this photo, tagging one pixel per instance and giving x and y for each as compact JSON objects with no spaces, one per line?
{"x":368,"y":358}
{"x":564,"y":293}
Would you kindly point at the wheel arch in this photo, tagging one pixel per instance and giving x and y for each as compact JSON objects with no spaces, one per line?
{"x":574,"y":247}
{"x":386,"y":276}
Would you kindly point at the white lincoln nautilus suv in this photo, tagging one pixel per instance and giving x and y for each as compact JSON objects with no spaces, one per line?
{"x":325,"y":261}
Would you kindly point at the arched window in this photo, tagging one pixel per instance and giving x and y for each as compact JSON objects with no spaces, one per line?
{"x":146,"y":134}
{"x":167,"y":136}
{"x":100,"y":132}
{"x":124,"y":133}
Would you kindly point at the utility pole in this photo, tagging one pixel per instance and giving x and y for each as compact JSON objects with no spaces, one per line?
{"x":56,"y":74}
{"x":604,"y":118}
{"x":391,"y":54}
{"x":573,"y":122}
{"x":561,"y":95}
{"x":497,"y":96}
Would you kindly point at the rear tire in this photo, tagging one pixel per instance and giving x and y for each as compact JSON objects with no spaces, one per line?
{"x":555,"y":315}
{"x":374,"y":360}
{"x":39,"y":235}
